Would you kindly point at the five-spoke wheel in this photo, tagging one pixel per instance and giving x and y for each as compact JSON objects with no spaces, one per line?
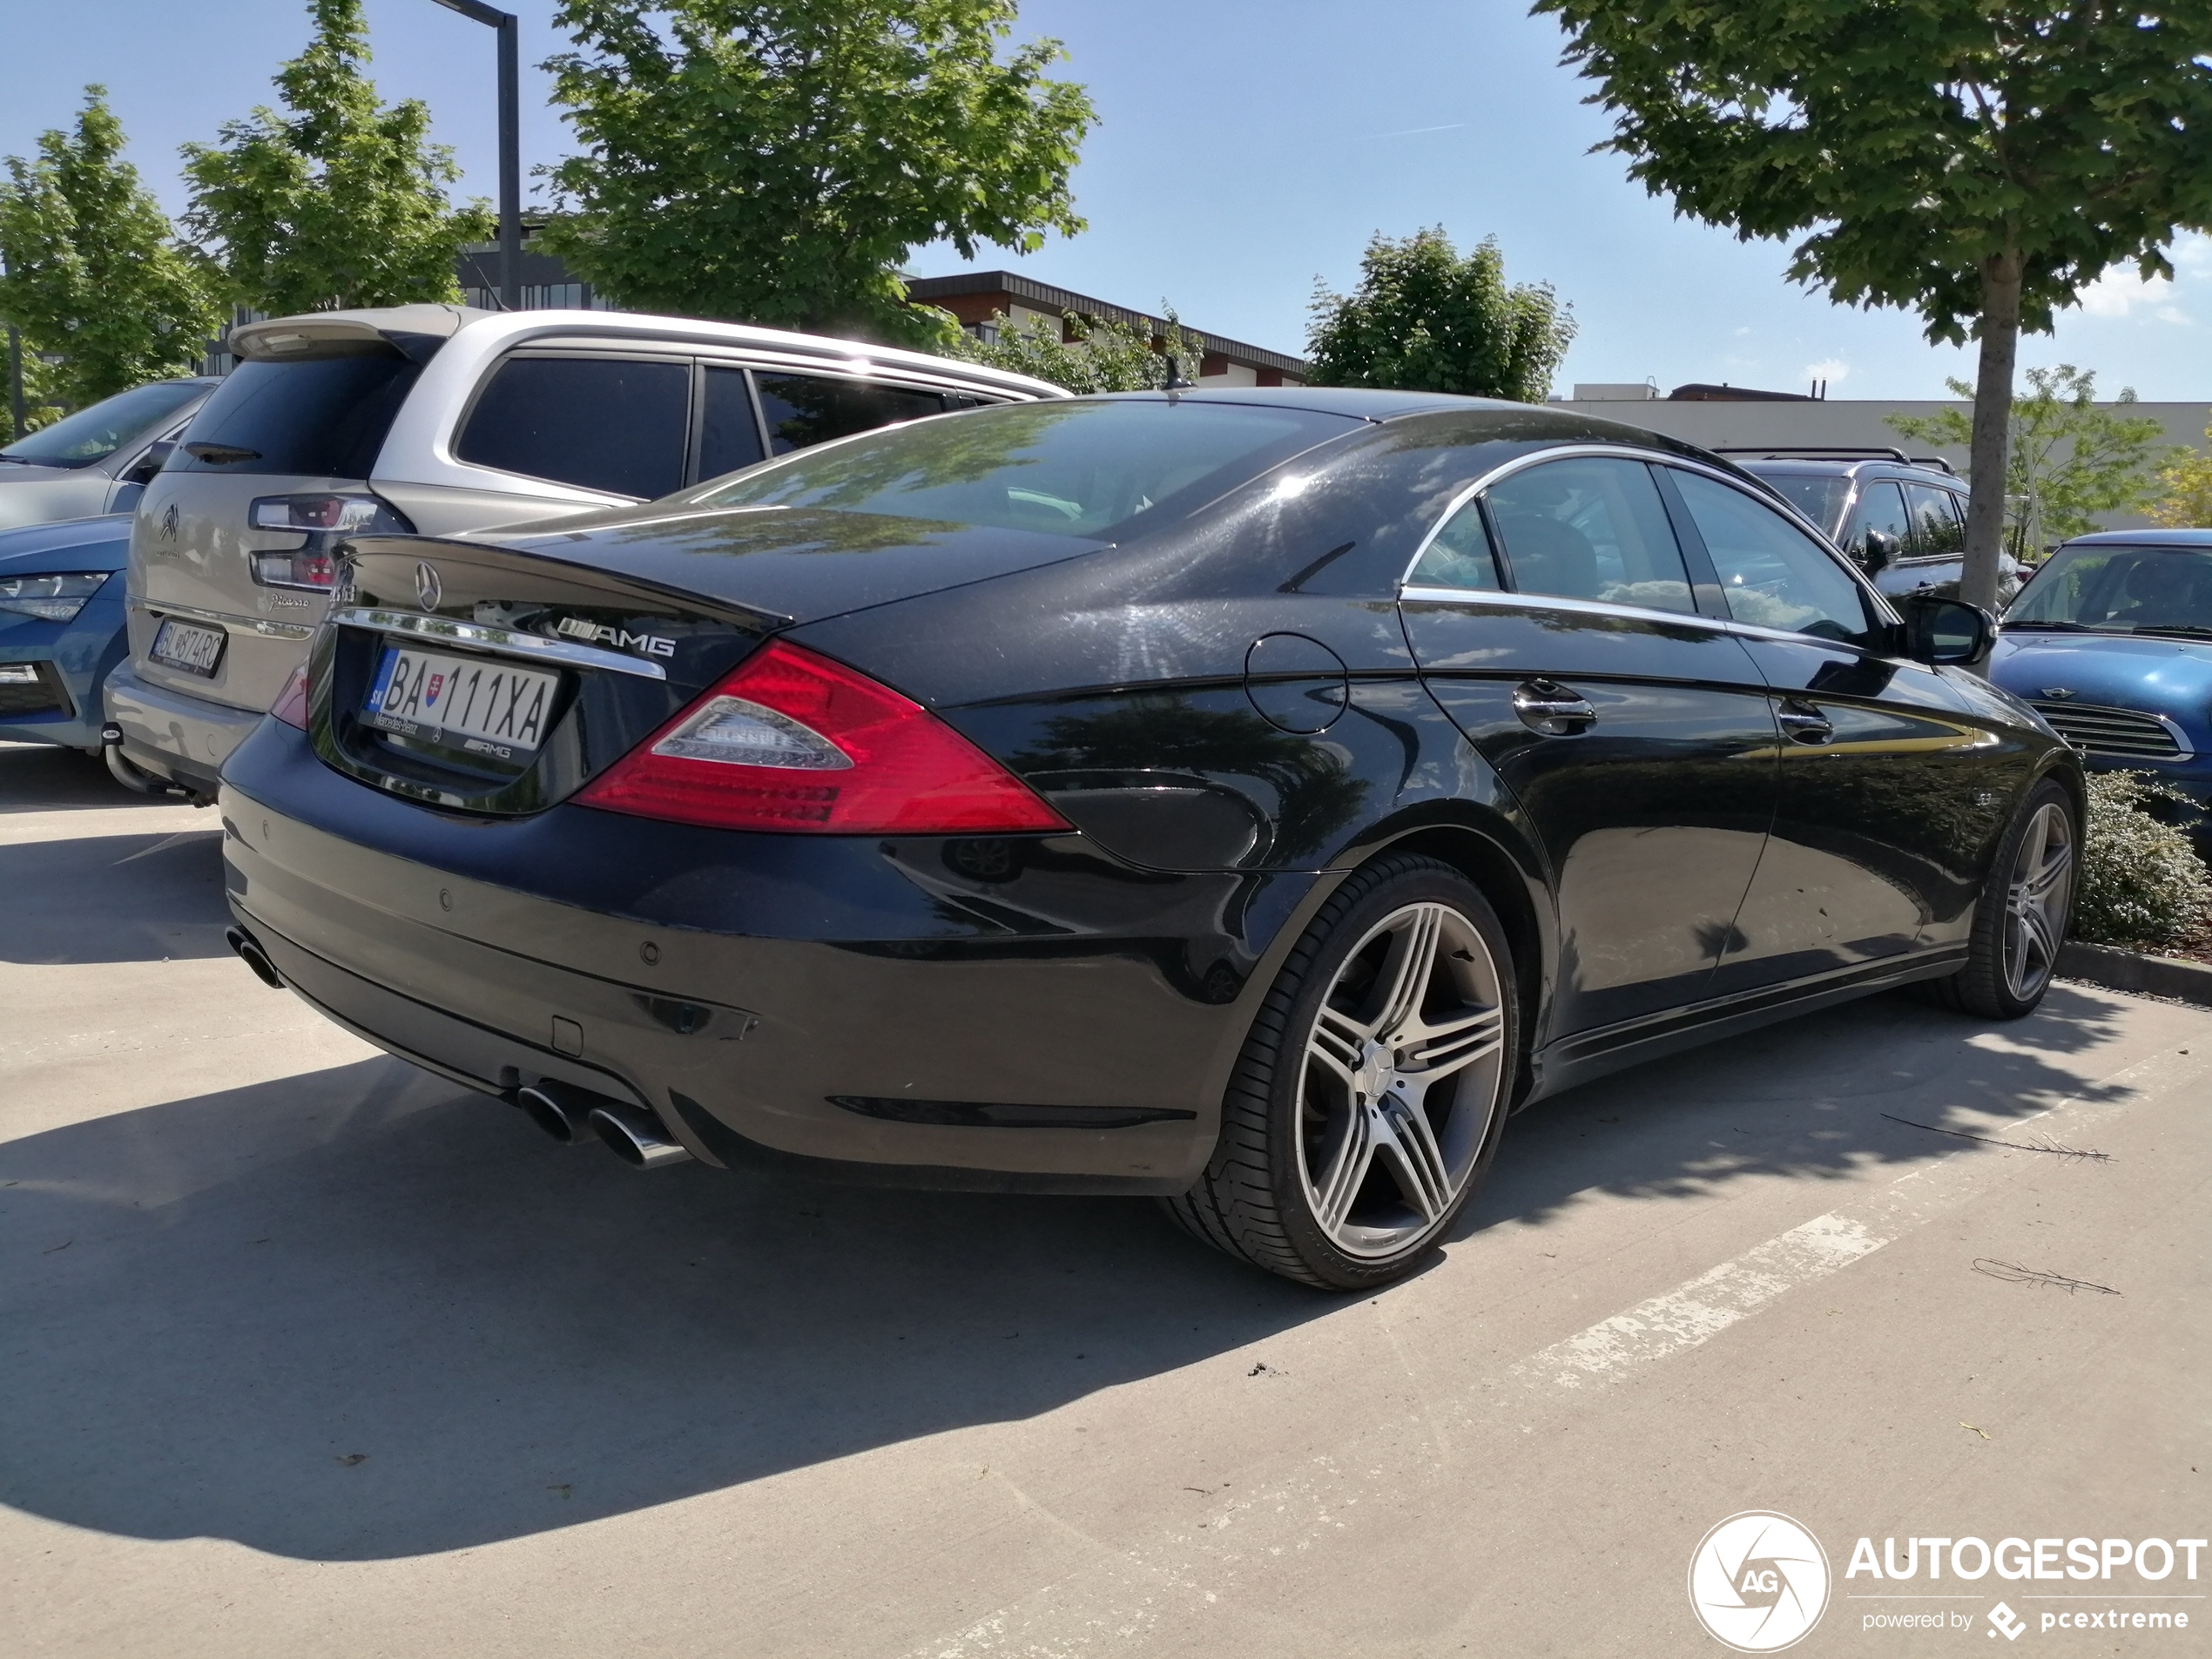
{"x":2036,"y":901}
{"x":1369,"y":1098}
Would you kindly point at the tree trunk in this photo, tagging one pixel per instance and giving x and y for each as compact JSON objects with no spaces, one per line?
{"x":2000,"y":339}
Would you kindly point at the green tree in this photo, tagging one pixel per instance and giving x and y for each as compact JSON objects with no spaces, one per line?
{"x":1088,"y":355}
{"x":2185,"y":490}
{"x":89,"y":270}
{"x":341,"y":200}
{"x":2068,"y":459}
{"x":775,"y":161}
{"x":1424,"y":320}
{"x":1978,"y":161}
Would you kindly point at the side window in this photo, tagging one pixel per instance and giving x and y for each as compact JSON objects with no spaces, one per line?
{"x":1881,"y":507}
{"x":803,"y":409}
{"x":1937,"y":525}
{"x":1774,"y":575}
{"x":729,"y":435}
{"x":1592,"y":529}
{"x":1459,"y":555}
{"x":604,"y":423}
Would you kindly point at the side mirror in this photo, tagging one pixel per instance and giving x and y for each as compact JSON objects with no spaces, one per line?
{"x":1940,"y":631}
{"x":1882,"y":550}
{"x":143,"y":469}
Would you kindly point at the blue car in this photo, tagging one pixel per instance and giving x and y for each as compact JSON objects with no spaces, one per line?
{"x":61,"y":627}
{"x":2112,"y":642}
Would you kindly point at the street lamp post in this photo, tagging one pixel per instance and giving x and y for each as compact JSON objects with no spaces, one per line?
{"x":511,"y":148}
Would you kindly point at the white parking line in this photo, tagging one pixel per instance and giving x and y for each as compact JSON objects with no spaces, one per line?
{"x":1115,"y":1600}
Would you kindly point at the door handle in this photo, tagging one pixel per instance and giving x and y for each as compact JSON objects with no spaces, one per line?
{"x":1548,"y":707}
{"x":1802,"y":723}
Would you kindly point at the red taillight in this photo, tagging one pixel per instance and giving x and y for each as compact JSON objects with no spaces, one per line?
{"x":793,"y":741}
{"x":291,"y":705}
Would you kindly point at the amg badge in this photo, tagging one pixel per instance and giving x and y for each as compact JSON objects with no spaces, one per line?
{"x":599,"y":633}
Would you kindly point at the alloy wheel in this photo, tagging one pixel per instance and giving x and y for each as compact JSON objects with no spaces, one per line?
{"x":2036,"y":901}
{"x":1403,"y":1076}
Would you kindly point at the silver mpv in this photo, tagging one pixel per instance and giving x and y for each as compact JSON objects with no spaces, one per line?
{"x":443,"y":420}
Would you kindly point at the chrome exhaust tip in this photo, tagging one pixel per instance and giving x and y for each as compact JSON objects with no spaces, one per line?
{"x":637,"y":1137}
{"x":562,"y":1112}
{"x":250,"y":951}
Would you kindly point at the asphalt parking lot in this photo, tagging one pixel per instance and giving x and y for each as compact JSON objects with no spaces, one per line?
{"x":304,"y":1351}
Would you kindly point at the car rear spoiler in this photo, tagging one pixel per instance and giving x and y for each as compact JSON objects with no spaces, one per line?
{"x":412,"y":331}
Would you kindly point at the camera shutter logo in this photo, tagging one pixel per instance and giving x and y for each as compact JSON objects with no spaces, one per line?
{"x":427,"y":589}
{"x":1758,"y":1582}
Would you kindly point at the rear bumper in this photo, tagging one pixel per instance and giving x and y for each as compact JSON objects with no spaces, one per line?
{"x":860,"y":1006}
{"x":172,"y":734}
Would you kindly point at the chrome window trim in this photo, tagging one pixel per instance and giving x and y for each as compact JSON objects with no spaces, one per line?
{"x":484,"y":636}
{"x":256,"y":624}
{"x":1621,"y":451}
{"x":1586,"y":607}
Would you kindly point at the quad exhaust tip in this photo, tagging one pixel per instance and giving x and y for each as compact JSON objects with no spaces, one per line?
{"x":250,"y":951}
{"x":636,"y":1137}
{"x":562,"y":1112}
{"x":573,"y":1116}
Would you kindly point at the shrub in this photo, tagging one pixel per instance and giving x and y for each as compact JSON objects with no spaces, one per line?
{"x":2141,"y":881}
{"x":1093,"y":356}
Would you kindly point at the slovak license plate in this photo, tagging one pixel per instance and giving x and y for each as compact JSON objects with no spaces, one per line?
{"x":186,"y":645}
{"x":481,"y":706}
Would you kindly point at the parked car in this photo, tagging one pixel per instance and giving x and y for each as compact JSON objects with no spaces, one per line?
{"x":61,"y":627}
{"x":98,"y":460}
{"x":440,"y":418}
{"x":2111,"y":641}
{"x":1905,"y":520}
{"x":1243,"y":797}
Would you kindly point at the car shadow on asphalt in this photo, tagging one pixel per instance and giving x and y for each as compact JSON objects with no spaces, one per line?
{"x":131,"y":897}
{"x":1811,"y":1099}
{"x":360,"y":1314}
{"x":45,"y":778}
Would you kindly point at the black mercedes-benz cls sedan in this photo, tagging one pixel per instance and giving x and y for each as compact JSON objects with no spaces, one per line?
{"x":1242,"y":798}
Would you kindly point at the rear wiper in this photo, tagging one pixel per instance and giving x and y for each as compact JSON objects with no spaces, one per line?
{"x":221,"y":455}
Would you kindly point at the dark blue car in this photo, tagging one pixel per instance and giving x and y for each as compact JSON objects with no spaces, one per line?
{"x":2112,"y":642}
{"x":61,"y":627}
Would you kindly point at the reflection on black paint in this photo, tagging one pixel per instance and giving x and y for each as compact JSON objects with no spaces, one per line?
{"x":1316,"y":793}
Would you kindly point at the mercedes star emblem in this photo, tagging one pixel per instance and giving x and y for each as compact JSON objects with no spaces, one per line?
{"x":427,"y":589}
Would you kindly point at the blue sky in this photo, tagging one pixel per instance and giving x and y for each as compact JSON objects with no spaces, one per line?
{"x":1245,"y":148}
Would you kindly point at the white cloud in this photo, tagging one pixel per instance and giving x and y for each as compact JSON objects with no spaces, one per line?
{"x":1833,"y":368}
{"x":2119,"y":294}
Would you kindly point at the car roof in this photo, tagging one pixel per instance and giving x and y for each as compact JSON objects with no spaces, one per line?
{"x":2144,"y":538}
{"x":420,"y":330}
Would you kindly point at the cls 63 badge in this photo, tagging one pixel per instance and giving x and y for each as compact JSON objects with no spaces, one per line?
{"x":600,"y":634}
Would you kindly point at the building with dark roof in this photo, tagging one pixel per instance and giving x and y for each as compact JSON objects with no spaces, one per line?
{"x":979,"y":299}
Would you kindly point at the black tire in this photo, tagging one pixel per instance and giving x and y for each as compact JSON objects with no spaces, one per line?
{"x":2010,"y":959}
{"x":1427,"y":1132}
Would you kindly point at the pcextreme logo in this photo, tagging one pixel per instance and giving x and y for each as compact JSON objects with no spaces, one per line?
{"x":1758,"y":1582}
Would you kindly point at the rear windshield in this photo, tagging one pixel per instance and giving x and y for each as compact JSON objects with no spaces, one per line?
{"x":95,"y":434}
{"x":323,"y":418}
{"x":1077,"y":468}
{"x":1819,"y":496}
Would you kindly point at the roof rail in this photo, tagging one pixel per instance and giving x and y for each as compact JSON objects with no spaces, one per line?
{"x":1832,"y":452}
